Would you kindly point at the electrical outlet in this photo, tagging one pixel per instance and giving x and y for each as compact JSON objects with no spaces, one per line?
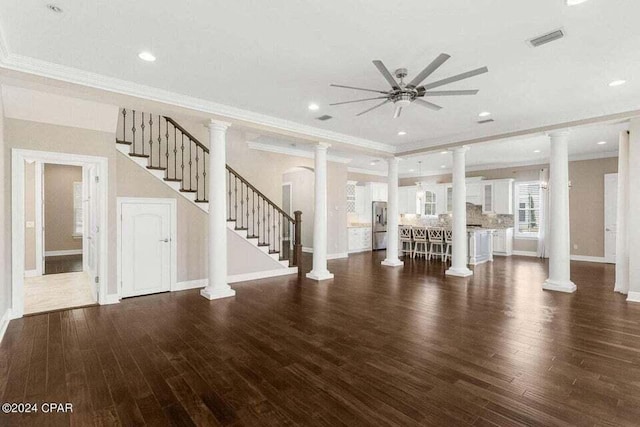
{"x":30,"y":224}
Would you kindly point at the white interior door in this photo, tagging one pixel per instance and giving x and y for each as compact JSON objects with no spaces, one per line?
{"x":610,"y":213}
{"x":146,"y":249}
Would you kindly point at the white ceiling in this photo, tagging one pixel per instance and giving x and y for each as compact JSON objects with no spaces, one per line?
{"x":274,"y":57}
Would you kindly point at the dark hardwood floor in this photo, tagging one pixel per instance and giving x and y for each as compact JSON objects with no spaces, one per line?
{"x":62,"y":264}
{"x":374,"y":346}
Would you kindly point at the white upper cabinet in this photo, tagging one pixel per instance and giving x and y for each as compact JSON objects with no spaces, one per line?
{"x":407,"y":200}
{"x":487,"y":198}
{"x":378,"y":191}
{"x":503,"y":196}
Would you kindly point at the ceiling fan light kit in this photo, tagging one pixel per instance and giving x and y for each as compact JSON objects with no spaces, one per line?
{"x":403,"y":94}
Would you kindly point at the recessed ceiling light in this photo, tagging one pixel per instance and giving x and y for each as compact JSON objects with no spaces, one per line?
{"x":54,"y":8}
{"x":444,"y":152}
{"x":574,"y":2}
{"x":314,"y":107}
{"x":602,"y":142}
{"x":617,"y":83}
{"x":536,"y":151}
{"x":443,"y":166}
{"x":412,"y":170}
{"x":484,"y":114}
{"x":147,"y":56}
{"x":402,"y":133}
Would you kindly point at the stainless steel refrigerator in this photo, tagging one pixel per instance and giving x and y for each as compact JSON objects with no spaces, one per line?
{"x":379,"y":224}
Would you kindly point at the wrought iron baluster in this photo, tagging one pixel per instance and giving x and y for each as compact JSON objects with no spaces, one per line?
{"x":159,"y":141}
{"x":246,"y":224}
{"x":167,"y":153}
{"x":269,"y":225}
{"x":133,"y":130}
{"x":258,"y":220}
{"x":182,"y":165}
{"x":205,"y":196}
{"x":151,"y":140}
{"x":175,"y":153}
{"x":229,"y":195}
{"x":253,"y":213}
{"x":280,"y":234}
{"x":197,"y":177}
{"x":142,"y":127}
{"x":241,"y":219}
{"x":190,"y":163}
{"x":124,"y":125}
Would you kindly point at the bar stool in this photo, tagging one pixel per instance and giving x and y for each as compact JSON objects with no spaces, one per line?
{"x":448,"y":240}
{"x":406,"y":240}
{"x":436,"y":240}
{"x":419,"y":241}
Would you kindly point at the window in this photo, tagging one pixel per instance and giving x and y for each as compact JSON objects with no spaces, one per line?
{"x":449,"y":199}
{"x":527,"y":209}
{"x":77,"y":209}
{"x":429,"y":203}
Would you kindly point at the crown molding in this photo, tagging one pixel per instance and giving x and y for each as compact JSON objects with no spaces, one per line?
{"x":67,"y":74}
{"x":262,"y":146}
{"x":366,"y":171}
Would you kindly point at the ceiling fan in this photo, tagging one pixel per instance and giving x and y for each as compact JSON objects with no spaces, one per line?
{"x":402,"y":94}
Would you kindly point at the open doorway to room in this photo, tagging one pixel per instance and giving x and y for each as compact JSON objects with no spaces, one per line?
{"x":57,"y":231}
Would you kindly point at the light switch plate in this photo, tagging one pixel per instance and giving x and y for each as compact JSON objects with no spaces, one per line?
{"x":30,"y":224}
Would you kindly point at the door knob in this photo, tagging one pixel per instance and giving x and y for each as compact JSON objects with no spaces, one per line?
{"x":165,"y":240}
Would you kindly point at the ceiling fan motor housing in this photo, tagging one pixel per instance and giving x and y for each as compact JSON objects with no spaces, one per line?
{"x":403,"y":98}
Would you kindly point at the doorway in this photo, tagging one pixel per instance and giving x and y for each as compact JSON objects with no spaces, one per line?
{"x":610,"y":216}
{"x":146,"y":246}
{"x":58,"y":257}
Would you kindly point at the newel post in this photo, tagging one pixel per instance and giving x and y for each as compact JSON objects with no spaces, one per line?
{"x":297,"y":238}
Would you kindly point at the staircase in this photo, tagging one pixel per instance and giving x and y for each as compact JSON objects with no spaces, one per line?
{"x":170,"y":153}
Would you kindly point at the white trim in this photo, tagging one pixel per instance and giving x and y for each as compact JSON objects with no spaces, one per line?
{"x":18,"y":157}
{"x":526,"y":253}
{"x":366,"y":171}
{"x":236,"y":278}
{"x":586,"y":258}
{"x":4,"y":322}
{"x":39,"y":219}
{"x":264,"y":146}
{"x":173,"y":203}
{"x":63,"y":252}
{"x":42,"y":68}
{"x":31,"y":273}
{"x":111,"y":299}
{"x":337,"y":255}
{"x":633,"y":297}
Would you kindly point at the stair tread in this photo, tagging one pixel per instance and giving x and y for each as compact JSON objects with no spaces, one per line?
{"x":183,"y":190}
{"x":157,"y":168}
{"x":273,"y":252}
{"x":123,"y":142}
{"x":139,"y":155}
{"x":201,"y":201}
{"x":263,"y":244}
{"x":241,"y":229}
{"x":253,"y":237}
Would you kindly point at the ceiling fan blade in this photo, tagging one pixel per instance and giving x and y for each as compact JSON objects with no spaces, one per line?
{"x":358,"y":88}
{"x":456,"y":78}
{"x":387,"y":75}
{"x":449,"y":92}
{"x":373,"y":108}
{"x":358,"y":100}
{"x":431,"y":68}
{"x":427,"y":104}
{"x":397,"y":112}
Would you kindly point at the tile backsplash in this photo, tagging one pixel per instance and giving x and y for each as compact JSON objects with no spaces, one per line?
{"x":474,"y":217}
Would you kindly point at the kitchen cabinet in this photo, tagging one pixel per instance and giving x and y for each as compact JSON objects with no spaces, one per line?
{"x":503,"y":242}
{"x":487,"y":198}
{"x":503,"y":196}
{"x":407,"y":200}
{"x":359,"y":239}
{"x":378,"y":191}
{"x":473,"y":193}
{"x":362,"y":202}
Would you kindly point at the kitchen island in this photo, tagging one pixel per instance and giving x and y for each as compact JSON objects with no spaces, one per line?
{"x":480,"y":245}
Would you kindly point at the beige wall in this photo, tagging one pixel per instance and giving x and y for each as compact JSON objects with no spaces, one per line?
{"x":364,"y":177}
{"x":5,"y":221}
{"x":29,"y":215}
{"x":586,"y":200}
{"x":47,"y":137}
{"x":58,"y":207}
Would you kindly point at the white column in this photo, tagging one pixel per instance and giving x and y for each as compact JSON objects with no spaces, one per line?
{"x":622,"y":241}
{"x":633,"y":217}
{"x":320,"y":271}
{"x":217,"y":287}
{"x":392,"y":259}
{"x":460,"y":240}
{"x":559,"y":238}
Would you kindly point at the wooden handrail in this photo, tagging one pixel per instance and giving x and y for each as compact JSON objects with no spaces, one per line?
{"x":259,"y":193}
{"x":184,"y":131}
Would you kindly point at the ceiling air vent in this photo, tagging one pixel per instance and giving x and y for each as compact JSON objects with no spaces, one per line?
{"x":324,"y":117}
{"x":547,"y":38}
{"x":482,"y":122}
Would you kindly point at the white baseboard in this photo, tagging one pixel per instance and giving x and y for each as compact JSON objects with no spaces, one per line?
{"x":31,"y":273}
{"x":110,"y":299}
{"x":307,"y":250}
{"x":201,"y":283}
{"x":63,"y":253}
{"x":525,"y":253}
{"x":585,"y":258}
{"x":633,"y":297}
{"x":4,"y":322}
{"x":357,"y":251}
